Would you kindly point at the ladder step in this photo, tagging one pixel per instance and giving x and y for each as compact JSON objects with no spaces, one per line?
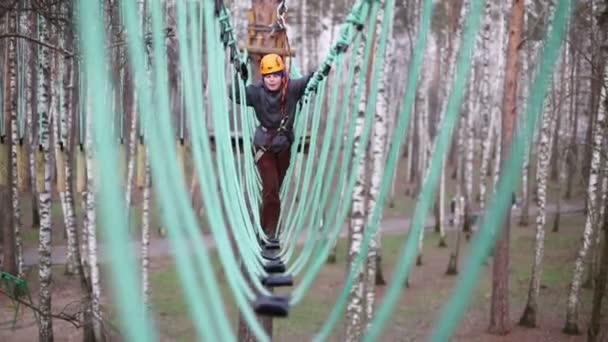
{"x":273,"y":306}
{"x":271,"y":255}
{"x":269,"y":246}
{"x":278,"y":280}
{"x":274,"y":266}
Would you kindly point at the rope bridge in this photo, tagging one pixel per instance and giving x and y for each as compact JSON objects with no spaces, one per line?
{"x":232,"y":207}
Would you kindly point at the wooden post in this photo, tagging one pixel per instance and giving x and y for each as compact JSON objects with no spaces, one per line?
{"x":263,"y":36}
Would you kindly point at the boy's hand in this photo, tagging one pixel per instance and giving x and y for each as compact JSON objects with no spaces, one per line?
{"x":244,"y":72}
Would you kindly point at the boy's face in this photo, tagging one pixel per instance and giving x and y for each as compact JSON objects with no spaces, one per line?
{"x":273,"y":81}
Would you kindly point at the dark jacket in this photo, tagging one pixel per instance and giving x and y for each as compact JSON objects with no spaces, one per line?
{"x":267,"y":105}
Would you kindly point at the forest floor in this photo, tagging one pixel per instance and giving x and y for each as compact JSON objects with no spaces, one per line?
{"x":414,"y":316}
{"x":412,"y":320}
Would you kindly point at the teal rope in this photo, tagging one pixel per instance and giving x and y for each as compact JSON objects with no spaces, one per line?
{"x":427,"y":195}
{"x":124,"y":281}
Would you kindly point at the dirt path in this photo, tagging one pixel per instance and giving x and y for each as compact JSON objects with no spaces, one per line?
{"x":390,"y":226}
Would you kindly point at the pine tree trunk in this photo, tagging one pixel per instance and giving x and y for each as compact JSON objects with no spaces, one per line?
{"x":544,"y":156}
{"x":571,"y":326}
{"x":499,"y":313}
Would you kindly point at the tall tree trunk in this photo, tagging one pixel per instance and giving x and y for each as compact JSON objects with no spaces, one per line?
{"x":544,"y":156}
{"x":489,"y":55}
{"x":499,"y":313}
{"x":44,"y":191}
{"x":422,"y":106}
{"x":91,"y":237}
{"x":355,"y":315}
{"x":378,"y":146}
{"x":469,"y":151}
{"x":572,"y":156}
{"x":7,"y":171}
{"x":567,"y":107}
{"x":571,"y":326}
{"x":32,"y":117}
{"x":593,"y":333}
{"x":145,"y":235}
{"x":524,"y":217}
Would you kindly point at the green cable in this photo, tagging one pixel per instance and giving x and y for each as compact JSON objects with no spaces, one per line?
{"x":296,"y":267}
{"x":308,"y":278}
{"x":346,"y":37}
{"x":484,"y":240}
{"x":305,"y":183}
{"x":171,"y":217}
{"x":113,"y":213}
{"x":334,"y":156}
{"x":427,"y":195}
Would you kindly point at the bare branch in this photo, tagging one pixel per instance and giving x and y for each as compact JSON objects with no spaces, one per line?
{"x":66,"y":53}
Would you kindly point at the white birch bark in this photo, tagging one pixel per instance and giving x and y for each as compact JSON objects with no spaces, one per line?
{"x":91,"y":235}
{"x":422,"y":108}
{"x":73,"y":265}
{"x":409,"y":168}
{"x":525,"y":193}
{"x":132,"y":145}
{"x":591,"y":221}
{"x":145,"y":235}
{"x":45,"y":332}
{"x":544,"y":156}
{"x":564,"y":131}
{"x":305,"y":43}
{"x":14,"y":59}
{"x":378,"y":146}
{"x":498,"y":89}
{"x":355,"y":314}
{"x":469,"y":137}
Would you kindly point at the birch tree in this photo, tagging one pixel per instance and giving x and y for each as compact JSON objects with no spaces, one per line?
{"x":355,"y":314}
{"x":378,"y":146}
{"x":591,"y":221}
{"x":7,"y":169}
{"x":593,"y":333}
{"x":44,"y":184}
{"x":91,"y":237}
{"x":544,"y":156}
{"x":145,"y":235}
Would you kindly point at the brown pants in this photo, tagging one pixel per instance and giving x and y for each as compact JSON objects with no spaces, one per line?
{"x":272,"y":167}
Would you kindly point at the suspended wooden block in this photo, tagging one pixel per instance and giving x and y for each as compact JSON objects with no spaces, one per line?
{"x":60,"y":165}
{"x":4,"y":160}
{"x":141,"y":167}
{"x":81,"y":170}
{"x":181,"y":155}
{"x":40,"y":170}
{"x":21,"y":167}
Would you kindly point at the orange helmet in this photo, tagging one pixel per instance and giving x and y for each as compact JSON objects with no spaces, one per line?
{"x":271,"y":63}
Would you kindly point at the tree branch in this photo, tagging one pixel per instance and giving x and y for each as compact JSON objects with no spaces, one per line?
{"x":72,"y":319}
{"x":66,"y":53}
